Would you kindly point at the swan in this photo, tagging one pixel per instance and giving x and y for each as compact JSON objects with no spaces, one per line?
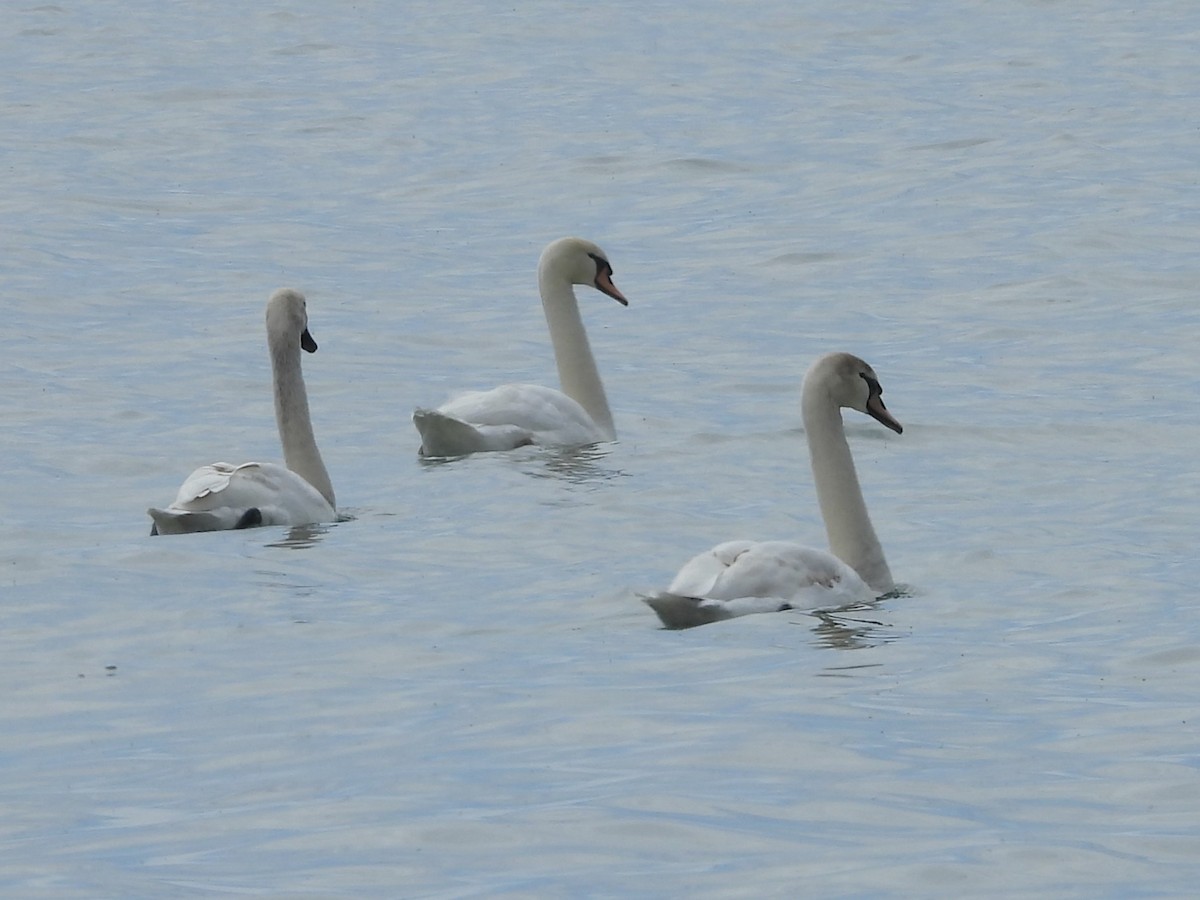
{"x":515,"y":415}
{"x":221,"y":496}
{"x":742,"y":577}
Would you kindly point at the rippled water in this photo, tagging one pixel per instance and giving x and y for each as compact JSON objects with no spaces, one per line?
{"x":457,"y":692}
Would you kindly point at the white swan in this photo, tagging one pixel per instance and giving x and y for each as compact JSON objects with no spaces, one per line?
{"x":221,"y":496}
{"x":515,"y":415}
{"x":741,"y":577}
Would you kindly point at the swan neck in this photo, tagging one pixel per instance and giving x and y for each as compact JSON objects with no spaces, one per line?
{"x":577,"y":373}
{"x":852,"y":537}
{"x":300,"y":453}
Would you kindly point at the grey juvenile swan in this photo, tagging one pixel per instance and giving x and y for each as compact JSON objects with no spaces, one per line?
{"x":221,"y":496}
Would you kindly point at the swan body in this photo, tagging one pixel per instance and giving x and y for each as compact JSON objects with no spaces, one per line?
{"x":510,"y":416}
{"x":221,"y":496}
{"x":224,"y":497}
{"x":738,"y":578}
{"x":516,"y":415}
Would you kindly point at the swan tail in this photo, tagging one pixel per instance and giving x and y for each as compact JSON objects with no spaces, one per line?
{"x":678,"y":611}
{"x":169,"y":521}
{"x":173,"y":521}
{"x":443,"y":435}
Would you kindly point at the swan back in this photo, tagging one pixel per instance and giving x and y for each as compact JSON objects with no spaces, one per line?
{"x":224,"y":497}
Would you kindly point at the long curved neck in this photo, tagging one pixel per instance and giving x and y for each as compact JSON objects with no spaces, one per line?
{"x":300,"y":453}
{"x":852,"y":538}
{"x":577,"y":373}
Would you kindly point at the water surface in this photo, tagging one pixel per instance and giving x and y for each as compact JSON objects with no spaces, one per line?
{"x":457,"y":692}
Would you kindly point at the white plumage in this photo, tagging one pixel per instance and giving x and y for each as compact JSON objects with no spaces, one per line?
{"x":737,"y":578}
{"x":512,"y":415}
{"x":515,"y":415}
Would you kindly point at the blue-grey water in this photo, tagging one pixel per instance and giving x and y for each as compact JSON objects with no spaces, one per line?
{"x":457,"y":691}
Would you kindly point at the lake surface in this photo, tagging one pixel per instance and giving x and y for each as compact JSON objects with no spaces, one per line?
{"x":457,"y":692}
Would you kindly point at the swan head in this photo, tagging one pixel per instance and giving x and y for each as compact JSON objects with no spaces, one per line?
{"x":287,"y":314}
{"x":578,"y":261}
{"x":851,"y":383}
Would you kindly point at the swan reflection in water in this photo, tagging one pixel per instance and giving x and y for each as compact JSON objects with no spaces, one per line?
{"x":575,"y":465}
{"x":855,"y":627}
{"x":301,"y":537}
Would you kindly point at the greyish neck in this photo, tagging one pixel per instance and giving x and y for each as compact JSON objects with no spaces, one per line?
{"x":852,"y":538}
{"x":300,"y":453}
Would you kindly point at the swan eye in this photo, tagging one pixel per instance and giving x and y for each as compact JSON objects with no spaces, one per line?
{"x":602,"y":264}
{"x":874,"y":388}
